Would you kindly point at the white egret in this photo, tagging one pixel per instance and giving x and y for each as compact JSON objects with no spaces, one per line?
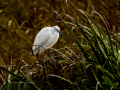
{"x":45,"y":39}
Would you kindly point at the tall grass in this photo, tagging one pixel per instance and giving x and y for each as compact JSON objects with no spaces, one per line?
{"x":92,"y":62}
{"x":100,"y":55}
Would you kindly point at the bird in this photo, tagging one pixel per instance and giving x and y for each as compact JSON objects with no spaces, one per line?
{"x":45,"y":39}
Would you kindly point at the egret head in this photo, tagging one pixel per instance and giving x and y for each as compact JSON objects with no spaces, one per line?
{"x":58,"y":30}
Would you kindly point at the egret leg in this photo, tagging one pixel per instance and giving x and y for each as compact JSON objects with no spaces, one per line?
{"x":37,"y":55}
{"x":31,"y":50}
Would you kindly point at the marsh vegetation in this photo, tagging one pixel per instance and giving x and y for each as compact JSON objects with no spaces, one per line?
{"x":86,"y":59}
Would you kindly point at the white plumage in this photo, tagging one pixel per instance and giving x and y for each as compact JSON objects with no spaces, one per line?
{"x":45,"y":39}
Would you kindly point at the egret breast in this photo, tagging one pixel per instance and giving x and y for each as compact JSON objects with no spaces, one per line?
{"x":52,"y":40}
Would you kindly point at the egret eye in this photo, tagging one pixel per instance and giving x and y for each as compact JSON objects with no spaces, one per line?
{"x":55,"y":27}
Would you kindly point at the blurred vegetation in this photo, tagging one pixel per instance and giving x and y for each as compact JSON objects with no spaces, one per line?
{"x":87,"y":58}
{"x":21,"y":21}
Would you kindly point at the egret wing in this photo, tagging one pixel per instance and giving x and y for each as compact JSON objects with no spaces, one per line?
{"x":40,"y":41}
{"x":42,"y":35}
{"x":41,"y":38}
{"x":42,"y":32}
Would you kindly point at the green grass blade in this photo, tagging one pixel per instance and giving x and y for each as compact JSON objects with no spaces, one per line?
{"x":74,"y":37}
{"x":88,"y":7}
{"x":19,"y":78}
{"x":9,"y":84}
{"x":96,"y":78}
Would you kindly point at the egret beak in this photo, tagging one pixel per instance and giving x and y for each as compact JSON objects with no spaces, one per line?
{"x":61,"y":33}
